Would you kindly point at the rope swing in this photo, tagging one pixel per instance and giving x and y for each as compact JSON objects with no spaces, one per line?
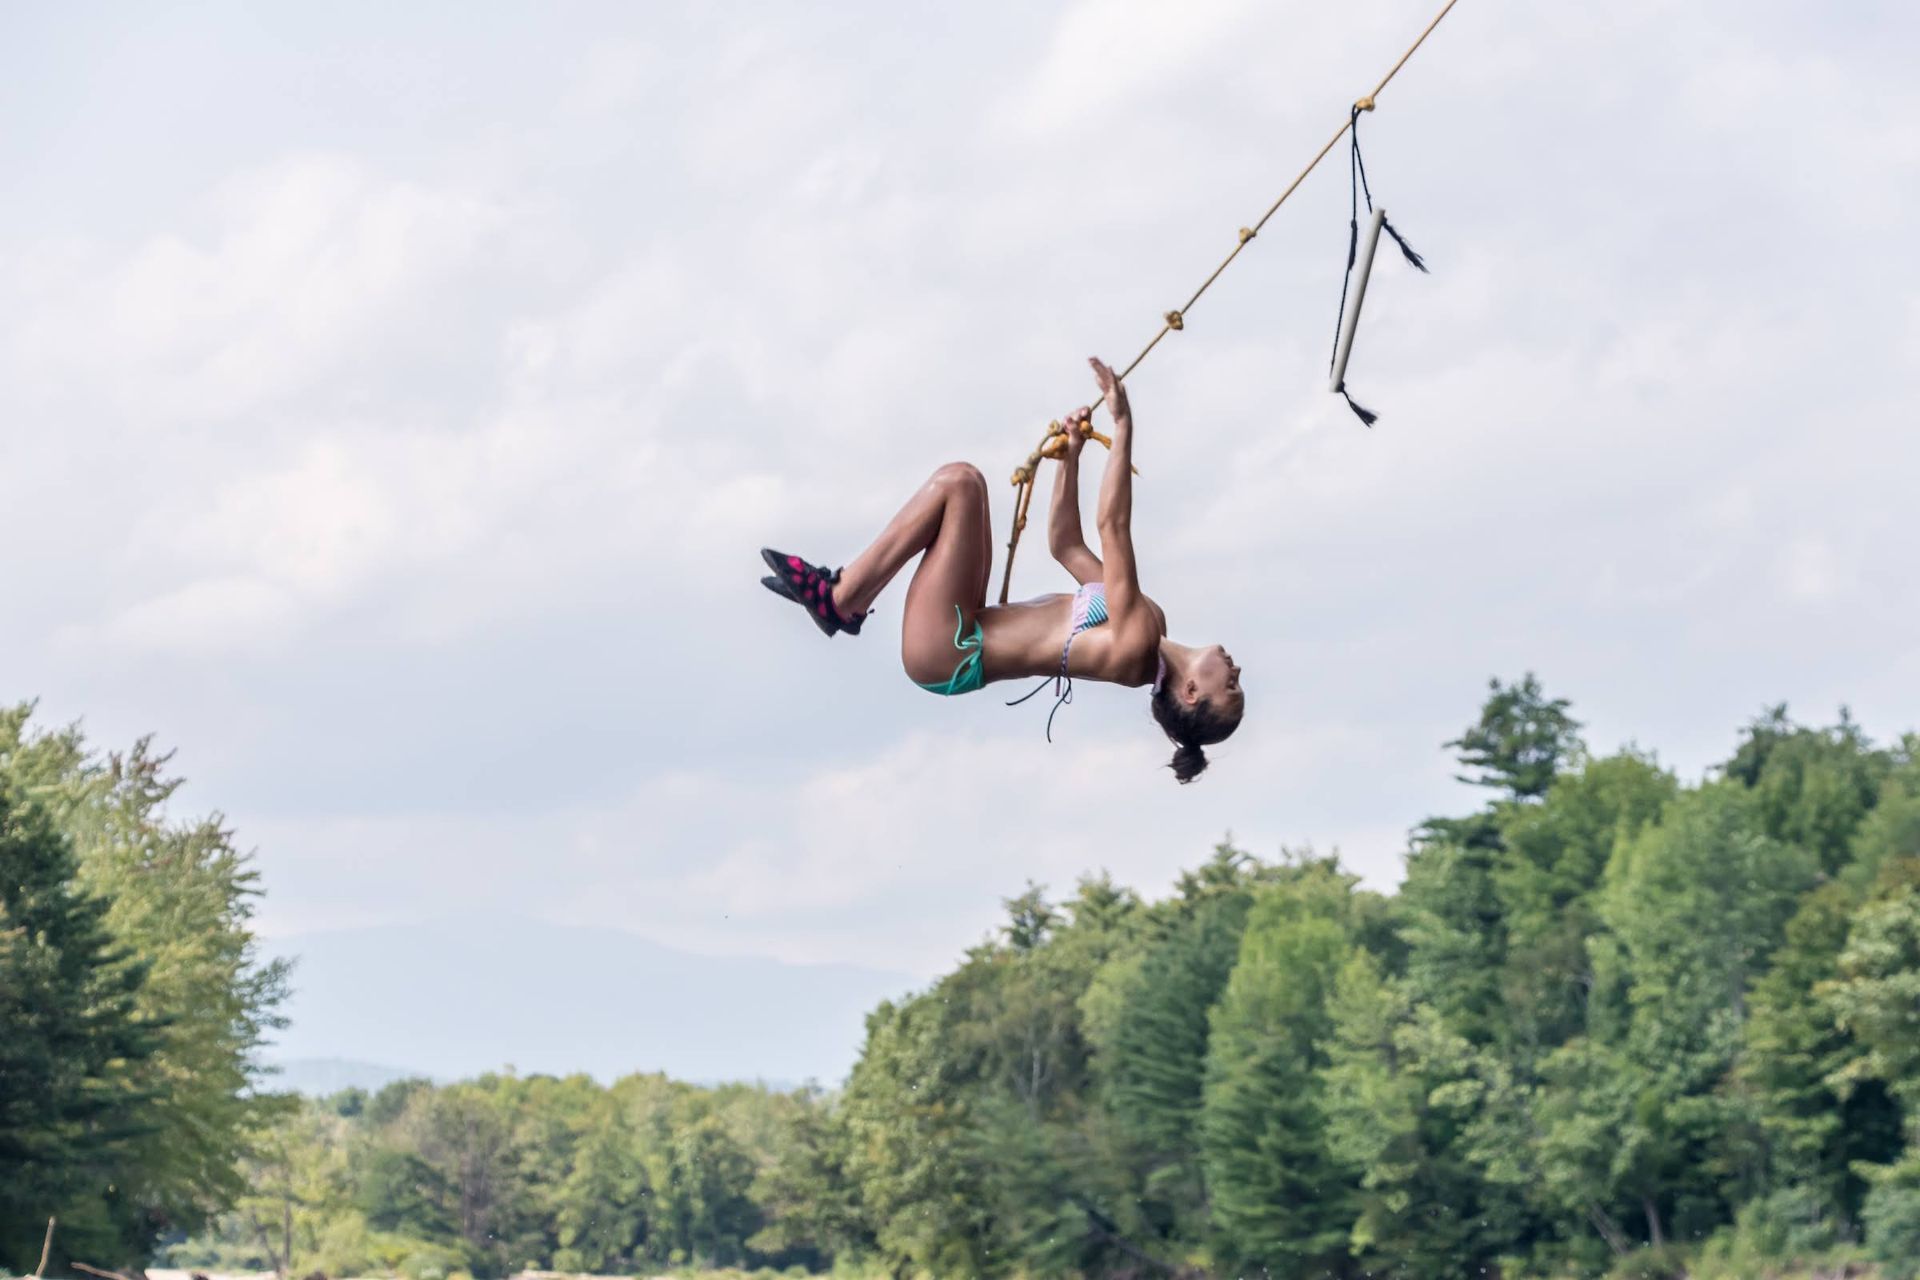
{"x":1349,"y":315}
{"x":1054,"y":442}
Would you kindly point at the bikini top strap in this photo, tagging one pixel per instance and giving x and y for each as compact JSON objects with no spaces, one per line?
{"x":1063,"y":683}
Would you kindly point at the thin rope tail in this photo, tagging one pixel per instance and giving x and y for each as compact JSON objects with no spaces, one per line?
{"x":1406,"y":249}
{"x":1367,"y":416}
{"x":1360,"y":163}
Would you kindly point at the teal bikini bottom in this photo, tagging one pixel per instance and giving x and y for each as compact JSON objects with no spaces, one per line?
{"x":970,"y":674}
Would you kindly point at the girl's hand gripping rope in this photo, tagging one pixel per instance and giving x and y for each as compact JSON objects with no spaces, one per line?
{"x":1076,"y":428}
{"x":1117,"y":407}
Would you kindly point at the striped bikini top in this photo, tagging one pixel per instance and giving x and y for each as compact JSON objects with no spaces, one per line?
{"x":1089,"y":610}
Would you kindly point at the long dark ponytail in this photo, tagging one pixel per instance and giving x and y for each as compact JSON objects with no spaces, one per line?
{"x":1190,"y":727}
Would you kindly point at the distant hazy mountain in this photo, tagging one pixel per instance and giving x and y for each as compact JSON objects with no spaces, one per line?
{"x":453,"y":999}
{"x":323,"y":1076}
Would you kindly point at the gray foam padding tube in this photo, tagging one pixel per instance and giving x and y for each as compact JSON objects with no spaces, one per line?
{"x":1351,"y":320}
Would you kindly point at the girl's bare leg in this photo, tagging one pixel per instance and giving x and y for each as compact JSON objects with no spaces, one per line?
{"x":949,"y":520}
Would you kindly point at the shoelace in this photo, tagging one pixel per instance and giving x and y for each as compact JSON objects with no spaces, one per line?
{"x":816,"y":583}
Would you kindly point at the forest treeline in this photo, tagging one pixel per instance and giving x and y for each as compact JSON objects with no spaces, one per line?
{"x":1611,"y":1024}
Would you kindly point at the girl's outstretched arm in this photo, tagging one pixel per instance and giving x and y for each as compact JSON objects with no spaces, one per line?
{"x":1064,"y":539}
{"x":1115,"y":516}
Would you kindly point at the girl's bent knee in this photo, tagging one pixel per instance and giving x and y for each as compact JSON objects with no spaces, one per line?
{"x":961,"y":475}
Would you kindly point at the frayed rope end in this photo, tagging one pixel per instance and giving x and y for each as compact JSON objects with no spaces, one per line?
{"x":1366,"y":415}
{"x":1405,"y":248}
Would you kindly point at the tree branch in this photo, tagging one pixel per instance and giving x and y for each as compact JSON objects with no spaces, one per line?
{"x":96,"y":1271}
{"x":1110,"y":1229}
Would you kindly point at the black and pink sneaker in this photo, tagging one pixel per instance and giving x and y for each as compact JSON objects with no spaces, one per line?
{"x":811,"y":587}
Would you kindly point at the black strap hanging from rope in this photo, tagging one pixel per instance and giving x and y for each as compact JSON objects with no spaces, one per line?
{"x":1357,"y":185}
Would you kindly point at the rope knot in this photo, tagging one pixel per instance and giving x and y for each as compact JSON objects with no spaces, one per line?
{"x":1364,"y":104}
{"x":1176,"y":321}
{"x":1246,"y":234}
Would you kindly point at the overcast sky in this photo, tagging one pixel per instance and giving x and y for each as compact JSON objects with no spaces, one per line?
{"x":393,"y":400}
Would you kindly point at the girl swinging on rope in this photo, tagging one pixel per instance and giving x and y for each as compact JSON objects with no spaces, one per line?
{"x":953,"y":642}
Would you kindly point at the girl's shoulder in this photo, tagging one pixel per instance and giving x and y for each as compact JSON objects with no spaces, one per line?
{"x":1159,"y":615}
{"x":1123,"y":653}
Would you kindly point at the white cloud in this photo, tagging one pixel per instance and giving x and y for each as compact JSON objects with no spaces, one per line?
{"x":1106,"y":52}
{"x":287,"y":275}
{"x":614,"y":78}
{"x":898,"y":857}
{"x":213,"y":615}
{"x":1811,"y":573}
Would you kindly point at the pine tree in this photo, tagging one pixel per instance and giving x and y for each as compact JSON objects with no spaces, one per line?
{"x":1455,"y":920}
{"x":1521,"y":741}
{"x":1150,"y":1059}
{"x":1282,"y":1204}
{"x":1873,"y":999}
{"x":72,"y":1049}
{"x":812,"y":1206}
{"x":182,"y":901}
{"x":1402,"y":1097}
{"x":178,"y":904}
{"x":1812,"y":787}
{"x":1545,"y":879}
{"x":1819,"y":1115}
{"x":908,"y":1110}
{"x":1635,"y":1124}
